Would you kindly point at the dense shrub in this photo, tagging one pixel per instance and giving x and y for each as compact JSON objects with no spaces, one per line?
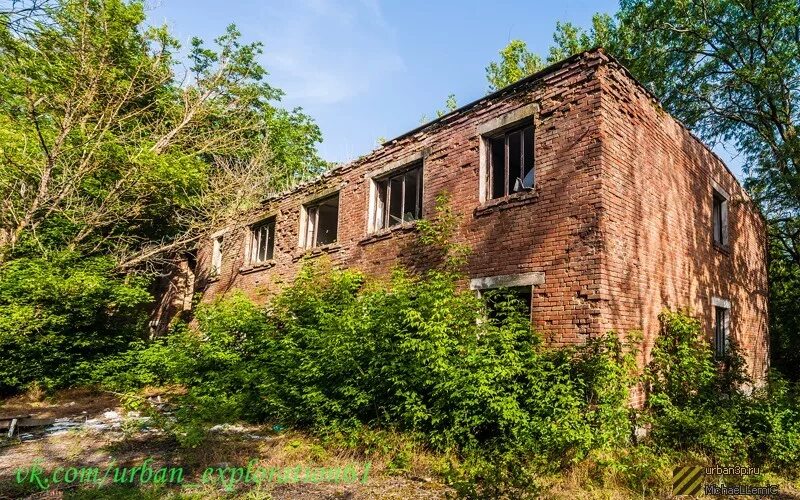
{"x":784,"y":320}
{"x":416,"y":353}
{"x":60,"y":313}
{"x":704,"y":405}
{"x":338,"y":353}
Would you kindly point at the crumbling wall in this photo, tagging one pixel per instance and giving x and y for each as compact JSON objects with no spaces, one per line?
{"x":658,"y":250}
{"x":552,"y":229}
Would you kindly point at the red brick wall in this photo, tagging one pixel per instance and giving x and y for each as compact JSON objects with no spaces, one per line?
{"x":658,"y":243}
{"x":619,"y":220}
{"x":552,"y":230}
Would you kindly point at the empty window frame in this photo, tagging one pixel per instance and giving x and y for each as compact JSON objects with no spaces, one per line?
{"x":262,"y":241}
{"x":721,"y":326}
{"x":511,"y":165}
{"x":719,"y":215}
{"x":216,"y":255}
{"x":322,"y":222}
{"x":398,"y":198}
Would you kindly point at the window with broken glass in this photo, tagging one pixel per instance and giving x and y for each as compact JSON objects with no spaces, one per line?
{"x":511,"y":162}
{"x":398,"y":198}
{"x":262,"y":241}
{"x":720,"y":218}
{"x":322,"y":222}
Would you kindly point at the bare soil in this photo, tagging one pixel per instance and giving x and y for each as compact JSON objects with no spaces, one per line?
{"x":129,"y":445}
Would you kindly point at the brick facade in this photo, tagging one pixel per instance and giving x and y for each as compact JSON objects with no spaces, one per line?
{"x":617,"y":226}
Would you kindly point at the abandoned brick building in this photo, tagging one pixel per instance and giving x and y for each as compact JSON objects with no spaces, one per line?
{"x":573,"y":185}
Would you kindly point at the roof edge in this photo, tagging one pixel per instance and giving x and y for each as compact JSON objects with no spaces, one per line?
{"x":508,"y":89}
{"x":613,"y":60}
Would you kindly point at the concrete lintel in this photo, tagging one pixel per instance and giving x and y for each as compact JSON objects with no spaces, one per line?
{"x":219,"y":232}
{"x":718,"y":188}
{"x":321,"y":195}
{"x":507,"y":280}
{"x":718,"y":302}
{"x":253,"y":221}
{"x":527,"y":111}
{"x":397,"y":164}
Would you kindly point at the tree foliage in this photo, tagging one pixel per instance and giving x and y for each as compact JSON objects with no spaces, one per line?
{"x":108,"y":148}
{"x":60,"y":315}
{"x":115,"y":157}
{"x":516,"y":62}
{"x":731,"y":72}
{"x":703,"y":405}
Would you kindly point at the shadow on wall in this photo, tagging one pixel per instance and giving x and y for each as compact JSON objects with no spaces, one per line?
{"x":672,"y":261}
{"x":558,"y":233}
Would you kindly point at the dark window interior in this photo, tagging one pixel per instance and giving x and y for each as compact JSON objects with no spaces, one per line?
{"x":263,"y":241}
{"x":323,"y":222}
{"x":720,"y":330}
{"x":719,"y":222}
{"x":399,"y":198}
{"x":395,"y":201}
{"x":498,"y":167}
{"x":511,"y":159}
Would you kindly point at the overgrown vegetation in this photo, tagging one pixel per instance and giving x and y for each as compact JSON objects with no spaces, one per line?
{"x":113,"y":158}
{"x":712,"y":407}
{"x":60,"y":314}
{"x":336,"y":353}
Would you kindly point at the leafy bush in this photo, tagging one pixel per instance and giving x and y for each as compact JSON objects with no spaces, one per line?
{"x":700,"y":404}
{"x":345,"y":355}
{"x":416,"y":353}
{"x":143,"y":364}
{"x":341,"y":354}
{"x":59,"y":314}
{"x":334,"y":351}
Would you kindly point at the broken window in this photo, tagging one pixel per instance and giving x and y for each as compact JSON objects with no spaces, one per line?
{"x":719,"y":216}
{"x":511,"y":162}
{"x":322,"y":222}
{"x":262,"y":241}
{"x":503,"y":302}
{"x":398,"y":198}
{"x":721,"y":322}
{"x":216,"y":256}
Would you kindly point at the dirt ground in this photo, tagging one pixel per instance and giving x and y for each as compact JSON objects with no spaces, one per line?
{"x":115,"y":442}
{"x":93,"y":430}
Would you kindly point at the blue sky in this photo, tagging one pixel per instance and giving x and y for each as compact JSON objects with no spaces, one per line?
{"x":366,"y":69}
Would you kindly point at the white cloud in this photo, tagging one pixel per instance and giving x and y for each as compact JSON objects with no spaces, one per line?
{"x":326,"y":52}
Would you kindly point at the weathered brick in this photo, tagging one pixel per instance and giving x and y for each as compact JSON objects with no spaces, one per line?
{"x":619,"y":221}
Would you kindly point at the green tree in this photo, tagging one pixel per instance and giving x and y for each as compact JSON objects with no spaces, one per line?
{"x":731,"y":72}
{"x":107,"y":148}
{"x":570,"y":39}
{"x":784,"y":301}
{"x":450,"y":105}
{"x":113,"y":157}
{"x":516,"y":62}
